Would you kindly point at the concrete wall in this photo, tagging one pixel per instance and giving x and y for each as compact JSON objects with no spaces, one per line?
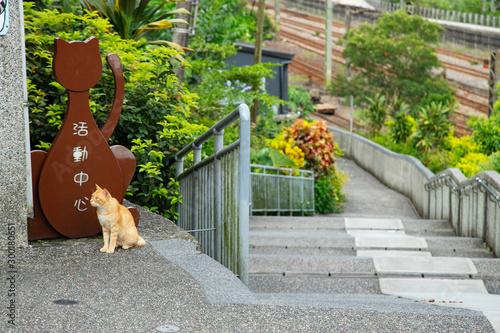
{"x":14,"y":192}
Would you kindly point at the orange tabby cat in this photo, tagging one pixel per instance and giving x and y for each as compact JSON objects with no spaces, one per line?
{"x":115,"y":219}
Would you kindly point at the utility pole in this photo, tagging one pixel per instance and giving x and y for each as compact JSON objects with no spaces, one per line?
{"x":258,"y":55}
{"x":347,"y":28}
{"x":277,"y":17}
{"x":328,"y":41}
{"x":493,"y":80}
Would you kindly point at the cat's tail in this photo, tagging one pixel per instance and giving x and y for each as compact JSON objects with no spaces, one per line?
{"x":140,"y":242}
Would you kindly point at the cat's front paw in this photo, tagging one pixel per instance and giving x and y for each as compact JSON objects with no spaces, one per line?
{"x":104,"y":249}
{"x":110,"y":250}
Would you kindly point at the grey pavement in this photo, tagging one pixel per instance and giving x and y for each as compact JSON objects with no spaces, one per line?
{"x":370,"y":198}
{"x":66,"y":285}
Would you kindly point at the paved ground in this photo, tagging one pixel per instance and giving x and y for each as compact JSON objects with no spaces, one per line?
{"x":370,"y":198}
{"x":69,"y":286}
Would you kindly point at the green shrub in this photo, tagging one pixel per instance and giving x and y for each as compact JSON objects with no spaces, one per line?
{"x":154,"y":186}
{"x":224,"y":22}
{"x":320,"y":151}
{"x":400,"y":124}
{"x":471,"y":163}
{"x":458,"y":148}
{"x":156,"y":118}
{"x":493,"y":163}
{"x":433,"y":126}
{"x":222,"y":88}
{"x":328,"y":195}
{"x":486,"y":133}
{"x":436,"y":160}
{"x":374,"y":116}
{"x":299,"y":100}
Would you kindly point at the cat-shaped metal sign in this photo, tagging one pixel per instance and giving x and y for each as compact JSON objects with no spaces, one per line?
{"x":64,"y":178}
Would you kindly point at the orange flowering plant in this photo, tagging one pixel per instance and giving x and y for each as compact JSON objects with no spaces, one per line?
{"x":314,"y":139}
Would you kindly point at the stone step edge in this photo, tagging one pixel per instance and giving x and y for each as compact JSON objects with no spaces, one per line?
{"x":374,"y":275}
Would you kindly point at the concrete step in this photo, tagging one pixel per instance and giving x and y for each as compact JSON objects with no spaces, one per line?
{"x":368,"y":256}
{"x":301,"y":224}
{"x":336,"y":274}
{"x":340,"y":266}
{"x":428,"y":228}
{"x":279,"y":265}
{"x":296,"y":223}
{"x":339,"y":243}
{"x":306,"y":239}
{"x":314,"y":284}
{"x":311,"y":251}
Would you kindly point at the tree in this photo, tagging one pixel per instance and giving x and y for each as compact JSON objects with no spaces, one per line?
{"x":394,"y":56}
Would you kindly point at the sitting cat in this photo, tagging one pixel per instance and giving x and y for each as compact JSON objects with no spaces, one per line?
{"x":115,"y":219}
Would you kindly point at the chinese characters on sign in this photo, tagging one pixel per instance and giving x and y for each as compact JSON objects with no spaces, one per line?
{"x":80,"y":154}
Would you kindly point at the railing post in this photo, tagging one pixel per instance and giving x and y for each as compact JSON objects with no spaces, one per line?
{"x":179,"y":168}
{"x":290,"y":192}
{"x":244,"y":191}
{"x":218,"y":145}
{"x":196,"y":176}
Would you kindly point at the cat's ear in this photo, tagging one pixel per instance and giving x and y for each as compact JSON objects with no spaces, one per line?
{"x":105,"y":193}
{"x":97,"y":187}
{"x":93,"y":41}
{"x":60,"y":42}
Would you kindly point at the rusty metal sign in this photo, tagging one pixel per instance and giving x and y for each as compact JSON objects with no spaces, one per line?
{"x":79,"y":158}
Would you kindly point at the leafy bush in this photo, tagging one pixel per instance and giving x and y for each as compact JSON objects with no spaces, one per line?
{"x":401,"y":124}
{"x":433,"y":126}
{"x":471,"y":163}
{"x":376,"y":113}
{"x":314,"y":139}
{"x":299,"y":100}
{"x":493,"y":163}
{"x":154,"y":186}
{"x":289,"y":149}
{"x":220,"y":87}
{"x":320,"y":153}
{"x":486,"y":133}
{"x":458,"y":148}
{"x":328,"y":195}
{"x":267,"y":128}
{"x":224,"y":22}
{"x":156,"y":119}
{"x":222,"y":90}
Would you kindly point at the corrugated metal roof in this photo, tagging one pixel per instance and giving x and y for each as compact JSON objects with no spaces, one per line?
{"x":354,"y":3}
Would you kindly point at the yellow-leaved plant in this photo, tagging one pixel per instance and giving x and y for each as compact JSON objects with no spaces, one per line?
{"x":287,"y":148}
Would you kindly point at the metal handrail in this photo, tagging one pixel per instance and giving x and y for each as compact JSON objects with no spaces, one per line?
{"x":457,"y":188}
{"x":304,"y":175}
{"x":234,"y":253}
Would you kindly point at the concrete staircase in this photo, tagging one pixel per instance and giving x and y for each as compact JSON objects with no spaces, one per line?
{"x":416,"y":259}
